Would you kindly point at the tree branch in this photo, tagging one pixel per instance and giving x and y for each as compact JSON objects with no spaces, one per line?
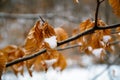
{"x":60,"y":43}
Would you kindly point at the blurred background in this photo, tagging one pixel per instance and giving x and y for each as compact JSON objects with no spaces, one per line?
{"x":17,"y":17}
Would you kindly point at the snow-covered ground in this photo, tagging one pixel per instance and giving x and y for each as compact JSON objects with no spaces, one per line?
{"x":75,"y":73}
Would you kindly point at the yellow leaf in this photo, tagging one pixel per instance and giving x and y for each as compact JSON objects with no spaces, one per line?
{"x":115,"y":4}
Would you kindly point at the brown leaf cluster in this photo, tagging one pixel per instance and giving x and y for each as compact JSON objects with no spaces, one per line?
{"x":98,"y":39}
{"x":115,"y":4}
{"x":39,"y":37}
{"x":11,"y":53}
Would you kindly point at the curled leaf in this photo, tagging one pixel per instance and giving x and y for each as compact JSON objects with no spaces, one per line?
{"x":34,"y":39}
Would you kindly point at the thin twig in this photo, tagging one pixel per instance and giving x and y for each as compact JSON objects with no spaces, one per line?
{"x":98,"y":75}
{"x":115,"y":42}
{"x":69,"y":47}
{"x":97,"y":11}
{"x":42,"y":19}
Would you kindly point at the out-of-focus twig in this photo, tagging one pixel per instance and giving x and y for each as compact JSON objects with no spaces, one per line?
{"x":108,"y":66}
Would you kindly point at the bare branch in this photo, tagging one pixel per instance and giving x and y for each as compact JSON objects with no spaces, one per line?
{"x":97,"y":11}
{"x":108,"y":27}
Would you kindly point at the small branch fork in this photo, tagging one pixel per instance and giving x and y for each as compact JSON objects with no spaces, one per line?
{"x":67,"y":40}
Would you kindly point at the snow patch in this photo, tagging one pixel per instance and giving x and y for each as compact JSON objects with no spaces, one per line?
{"x":106,"y":38}
{"x":103,"y":44}
{"x":50,"y":62}
{"x":84,"y":40}
{"x":80,"y":43}
{"x":118,"y":33}
{"x":97,"y":51}
{"x":52,"y":41}
{"x":89,"y":48}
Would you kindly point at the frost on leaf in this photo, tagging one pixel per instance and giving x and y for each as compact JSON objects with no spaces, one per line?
{"x":115,"y":4}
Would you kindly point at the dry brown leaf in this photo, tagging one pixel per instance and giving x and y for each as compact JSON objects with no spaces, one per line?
{"x":48,"y":30}
{"x":3,"y":61}
{"x":34,"y":39}
{"x":115,"y":4}
{"x":98,"y":39}
{"x":13,"y":52}
{"x":43,"y":59}
{"x":61,"y":62}
{"x":61,"y":34}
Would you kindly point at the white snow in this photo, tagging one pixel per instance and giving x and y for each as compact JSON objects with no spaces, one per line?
{"x":75,"y":73}
{"x":118,"y":33}
{"x":84,"y":40}
{"x":50,"y":62}
{"x":106,"y":38}
{"x":103,"y":44}
{"x":89,"y":48}
{"x":97,"y":51}
{"x":80,"y":44}
{"x":52,"y":41}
